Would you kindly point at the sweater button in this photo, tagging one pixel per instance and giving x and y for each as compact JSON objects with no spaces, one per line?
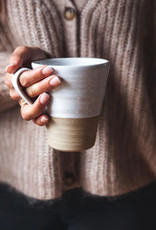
{"x":69,"y":13}
{"x":69,"y":179}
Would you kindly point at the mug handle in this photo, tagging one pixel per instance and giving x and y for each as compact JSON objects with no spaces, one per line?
{"x":18,"y":87}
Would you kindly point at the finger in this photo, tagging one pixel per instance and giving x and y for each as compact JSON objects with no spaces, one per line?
{"x":45,"y":85}
{"x":20,"y":101}
{"x":23,"y":54}
{"x":29,"y":77}
{"x":41,"y":120}
{"x":30,"y":112}
{"x":8,"y":81}
{"x":14,"y":95}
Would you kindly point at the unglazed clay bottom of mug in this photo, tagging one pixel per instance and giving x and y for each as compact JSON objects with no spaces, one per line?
{"x":78,"y":134}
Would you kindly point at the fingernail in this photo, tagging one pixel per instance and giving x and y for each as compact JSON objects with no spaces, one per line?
{"x":47,"y":70}
{"x":55,"y":81}
{"x":44,"y":119}
{"x":11,"y":65}
{"x":44,"y":98}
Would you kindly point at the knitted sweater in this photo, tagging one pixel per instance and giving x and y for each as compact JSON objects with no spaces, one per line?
{"x":124,"y":155}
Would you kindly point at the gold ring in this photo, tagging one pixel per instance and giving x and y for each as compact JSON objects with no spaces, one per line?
{"x":23,"y":103}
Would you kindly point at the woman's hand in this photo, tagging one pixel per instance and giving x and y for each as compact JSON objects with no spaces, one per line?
{"x":37,"y":82}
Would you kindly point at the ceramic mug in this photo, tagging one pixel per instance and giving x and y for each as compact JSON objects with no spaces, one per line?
{"x":76,"y":104}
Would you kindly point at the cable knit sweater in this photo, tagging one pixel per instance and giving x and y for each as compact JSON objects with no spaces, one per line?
{"x":124,"y":156}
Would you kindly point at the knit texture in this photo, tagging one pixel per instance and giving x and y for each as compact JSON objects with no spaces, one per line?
{"x":123,"y":158}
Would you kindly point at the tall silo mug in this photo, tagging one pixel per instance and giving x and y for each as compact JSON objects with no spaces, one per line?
{"x":76,"y":104}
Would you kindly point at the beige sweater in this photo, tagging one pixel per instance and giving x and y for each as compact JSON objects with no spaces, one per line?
{"x":124,"y":156}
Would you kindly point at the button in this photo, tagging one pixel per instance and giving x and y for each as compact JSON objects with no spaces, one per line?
{"x":69,"y":178}
{"x":69,"y":13}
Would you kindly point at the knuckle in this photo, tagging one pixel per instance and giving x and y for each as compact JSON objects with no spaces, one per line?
{"x":14,"y":95}
{"x":21,"y":48}
{"x":7,"y":82}
{"x":14,"y":57}
{"x":11,"y":57}
{"x":17,"y":53}
{"x":32,"y":91}
{"x":18,"y":48}
{"x":41,"y":87}
{"x":26,"y":116}
{"x":23,"y":81}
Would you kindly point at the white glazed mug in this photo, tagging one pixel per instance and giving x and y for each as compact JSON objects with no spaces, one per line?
{"x":76,"y":104}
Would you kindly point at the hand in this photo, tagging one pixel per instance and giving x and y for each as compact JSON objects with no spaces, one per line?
{"x":37,"y":82}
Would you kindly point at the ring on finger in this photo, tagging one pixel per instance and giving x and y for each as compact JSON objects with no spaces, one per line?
{"x":22,"y":103}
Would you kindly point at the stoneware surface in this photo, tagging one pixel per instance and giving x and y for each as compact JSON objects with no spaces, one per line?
{"x":82,"y":91}
{"x":76,"y":104}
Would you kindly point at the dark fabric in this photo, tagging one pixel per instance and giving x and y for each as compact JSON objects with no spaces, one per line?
{"x":76,"y":210}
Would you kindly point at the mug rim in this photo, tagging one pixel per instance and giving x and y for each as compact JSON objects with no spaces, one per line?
{"x":72,"y":62}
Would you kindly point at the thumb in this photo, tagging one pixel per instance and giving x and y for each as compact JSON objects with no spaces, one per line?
{"x":20,"y":55}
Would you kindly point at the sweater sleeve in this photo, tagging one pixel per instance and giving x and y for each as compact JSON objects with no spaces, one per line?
{"x":6,"y":102}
